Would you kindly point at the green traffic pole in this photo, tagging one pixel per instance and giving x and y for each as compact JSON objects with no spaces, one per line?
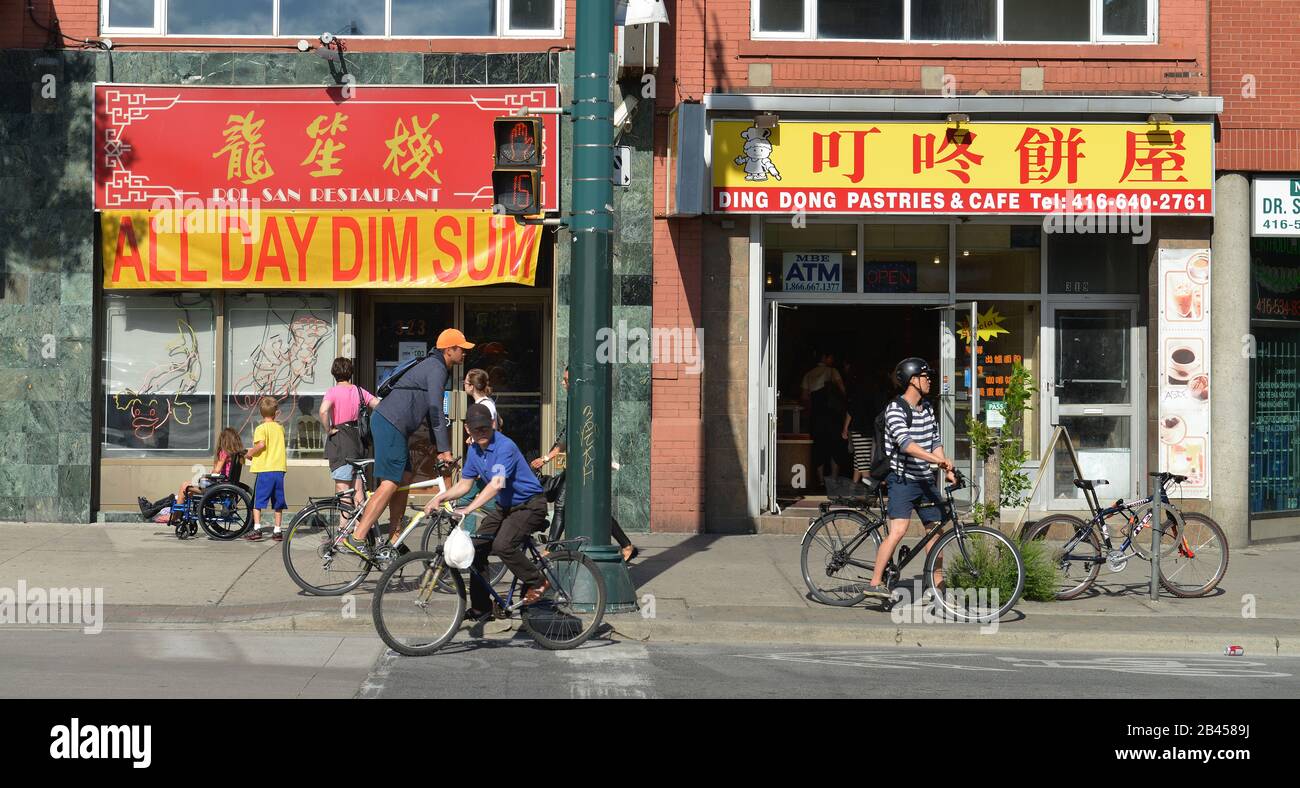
{"x":587,"y":505}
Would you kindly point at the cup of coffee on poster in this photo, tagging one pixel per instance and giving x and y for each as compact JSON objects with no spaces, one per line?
{"x":1183,"y":360}
{"x":1198,"y":268}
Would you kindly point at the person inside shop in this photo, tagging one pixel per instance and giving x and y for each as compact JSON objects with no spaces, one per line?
{"x":520,"y":510}
{"x":626,"y":548}
{"x":824,"y":397}
{"x":341,"y":409}
{"x":859,"y":423}
{"x":416,"y":399}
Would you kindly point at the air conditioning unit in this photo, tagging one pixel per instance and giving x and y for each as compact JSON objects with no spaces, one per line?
{"x":637,"y":47}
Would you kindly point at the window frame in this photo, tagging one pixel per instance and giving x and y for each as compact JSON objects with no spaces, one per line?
{"x":1095,"y":34}
{"x":159,"y":29}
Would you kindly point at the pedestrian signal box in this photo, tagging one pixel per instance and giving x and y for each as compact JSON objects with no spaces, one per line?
{"x":517,"y":166}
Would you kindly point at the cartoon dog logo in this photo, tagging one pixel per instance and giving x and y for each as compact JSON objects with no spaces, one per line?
{"x":757,"y":160}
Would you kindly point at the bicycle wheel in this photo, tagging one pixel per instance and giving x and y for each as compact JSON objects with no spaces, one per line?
{"x":436,"y":533}
{"x":1194,"y":557}
{"x":311,"y":557}
{"x":1074,"y":549}
{"x":411,"y":616}
{"x":572,"y":608}
{"x":226,"y":511}
{"x":827,"y":571}
{"x":983,"y":574}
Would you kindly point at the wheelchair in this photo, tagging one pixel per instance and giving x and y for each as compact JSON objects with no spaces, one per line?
{"x":223,"y":508}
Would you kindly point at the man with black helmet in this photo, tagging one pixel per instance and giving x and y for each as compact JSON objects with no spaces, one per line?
{"x":912,"y":444}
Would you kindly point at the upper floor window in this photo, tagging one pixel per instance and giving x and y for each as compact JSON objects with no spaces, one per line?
{"x":310,"y":18}
{"x":1060,"y":21}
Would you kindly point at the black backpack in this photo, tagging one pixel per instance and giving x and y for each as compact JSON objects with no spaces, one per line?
{"x":390,"y":382}
{"x":880,"y":461}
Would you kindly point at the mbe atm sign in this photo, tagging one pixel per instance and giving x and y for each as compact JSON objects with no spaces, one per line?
{"x":812,"y":272}
{"x":1275,"y":204}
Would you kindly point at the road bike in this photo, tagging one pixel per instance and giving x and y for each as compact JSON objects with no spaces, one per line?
{"x":416,"y":617}
{"x":1193,"y":548}
{"x":983,"y":573}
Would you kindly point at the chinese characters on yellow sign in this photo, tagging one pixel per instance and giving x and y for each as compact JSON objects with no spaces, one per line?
{"x":937,"y":168}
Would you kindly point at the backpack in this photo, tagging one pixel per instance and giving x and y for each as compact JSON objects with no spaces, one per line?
{"x":390,"y":382}
{"x":880,"y":459}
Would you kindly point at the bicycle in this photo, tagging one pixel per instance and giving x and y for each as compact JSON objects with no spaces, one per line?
{"x":1192,"y":545}
{"x":313,"y":553}
{"x":972,"y":559}
{"x":413,"y":616}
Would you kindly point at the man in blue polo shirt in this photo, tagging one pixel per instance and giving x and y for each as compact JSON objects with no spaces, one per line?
{"x":521,"y":507}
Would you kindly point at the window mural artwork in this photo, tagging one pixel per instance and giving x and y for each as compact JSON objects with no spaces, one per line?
{"x":179,"y":376}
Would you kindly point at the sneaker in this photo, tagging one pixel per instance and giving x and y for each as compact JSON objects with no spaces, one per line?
{"x":882,"y":592}
{"x":278,"y":536}
{"x":350,"y":543}
{"x":254,"y":535}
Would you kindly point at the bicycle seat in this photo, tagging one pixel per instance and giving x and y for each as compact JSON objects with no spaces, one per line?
{"x":1090,"y":484}
{"x":361,"y":463}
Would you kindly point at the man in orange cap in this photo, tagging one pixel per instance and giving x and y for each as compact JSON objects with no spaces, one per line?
{"x":416,"y":398}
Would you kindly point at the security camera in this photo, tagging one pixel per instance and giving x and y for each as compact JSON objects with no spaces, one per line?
{"x":326,"y":38}
{"x":303,"y":45}
{"x":623,"y":112}
{"x":106,"y":43}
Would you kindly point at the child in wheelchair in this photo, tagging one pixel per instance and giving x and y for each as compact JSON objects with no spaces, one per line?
{"x":166,"y":510}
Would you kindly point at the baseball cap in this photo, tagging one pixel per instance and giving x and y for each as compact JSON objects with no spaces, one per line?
{"x":453,"y":338}
{"x":478,"y":415}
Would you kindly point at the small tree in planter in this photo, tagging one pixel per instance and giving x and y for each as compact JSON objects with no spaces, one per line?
{"x":1003,"y":450}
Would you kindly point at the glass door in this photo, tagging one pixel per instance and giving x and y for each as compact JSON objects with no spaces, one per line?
{"x":509,"y":337}
{"x":1093,"y":390}
{"x":768,"y":464}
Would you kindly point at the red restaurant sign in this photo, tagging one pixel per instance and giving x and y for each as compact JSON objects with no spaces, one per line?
{"x":307,"y":147}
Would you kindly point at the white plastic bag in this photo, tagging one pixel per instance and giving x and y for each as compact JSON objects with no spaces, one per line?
{"x":458,"y":549}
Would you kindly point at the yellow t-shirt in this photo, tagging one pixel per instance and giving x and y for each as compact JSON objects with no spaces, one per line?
{"x":271,"y":458}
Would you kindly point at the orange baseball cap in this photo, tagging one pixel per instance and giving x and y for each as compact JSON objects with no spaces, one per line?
{"x":453,"y":338}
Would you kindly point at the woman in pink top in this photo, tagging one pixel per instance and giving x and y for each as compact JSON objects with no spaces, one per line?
{"x":340,"y":408}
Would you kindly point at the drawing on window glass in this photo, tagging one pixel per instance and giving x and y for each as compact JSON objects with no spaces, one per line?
{"x":179,"y":375}
{"x":281,"y":363}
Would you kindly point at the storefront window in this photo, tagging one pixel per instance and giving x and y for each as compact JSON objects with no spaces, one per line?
{"x":816,"y":258}
{"x":280,"y":346}
{"x":1007,"y":335}
{"x":1275,"y":376}
{"x":905,"y":258}
{"x":159,"y":375}
{"x":1098,"y":263}
{"x":998,"y":258}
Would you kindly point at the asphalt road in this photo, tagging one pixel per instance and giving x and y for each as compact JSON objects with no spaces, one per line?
{"x":624,"y":669}
{"x":189,"y":663}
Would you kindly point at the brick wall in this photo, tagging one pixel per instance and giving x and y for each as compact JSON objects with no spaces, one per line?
{"x":1254,"y":69}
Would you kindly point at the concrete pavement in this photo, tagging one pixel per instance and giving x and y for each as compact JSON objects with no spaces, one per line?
{"x":692,"y":589}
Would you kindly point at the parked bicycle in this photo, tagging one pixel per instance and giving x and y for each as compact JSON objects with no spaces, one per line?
{"x":1193,"y":548}
{"x":416,"y":617}
{"x":839,"y":555}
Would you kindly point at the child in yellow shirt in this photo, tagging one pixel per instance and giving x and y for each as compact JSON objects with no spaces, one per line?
{"x":270,"y":466}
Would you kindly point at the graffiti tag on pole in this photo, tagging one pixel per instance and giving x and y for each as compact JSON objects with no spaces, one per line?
{"x":588,"y":443}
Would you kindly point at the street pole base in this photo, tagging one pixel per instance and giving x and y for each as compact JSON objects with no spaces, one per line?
{"x":620,"y":593}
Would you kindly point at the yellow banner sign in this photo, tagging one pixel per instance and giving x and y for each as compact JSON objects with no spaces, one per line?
{"x":979,"y":168}
{"x":287,"y":249}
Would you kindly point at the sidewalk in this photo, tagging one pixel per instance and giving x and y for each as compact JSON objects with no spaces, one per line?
{"x":701,"y":588}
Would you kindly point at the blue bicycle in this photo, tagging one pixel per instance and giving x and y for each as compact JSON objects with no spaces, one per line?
{"x":420,"y":601}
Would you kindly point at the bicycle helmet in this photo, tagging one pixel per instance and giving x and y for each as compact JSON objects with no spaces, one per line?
{"x":909,"y":368}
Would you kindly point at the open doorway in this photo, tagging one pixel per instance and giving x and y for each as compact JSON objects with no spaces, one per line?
{"x":861,"y":344}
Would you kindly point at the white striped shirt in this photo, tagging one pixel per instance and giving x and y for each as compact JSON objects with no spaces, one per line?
{"x":924,"y":432}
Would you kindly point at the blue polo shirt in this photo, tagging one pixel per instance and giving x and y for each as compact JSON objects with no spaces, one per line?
{"x":502,"y":458}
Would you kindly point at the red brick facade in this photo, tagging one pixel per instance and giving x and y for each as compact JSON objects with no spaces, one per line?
{"x":1255,"y":70}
